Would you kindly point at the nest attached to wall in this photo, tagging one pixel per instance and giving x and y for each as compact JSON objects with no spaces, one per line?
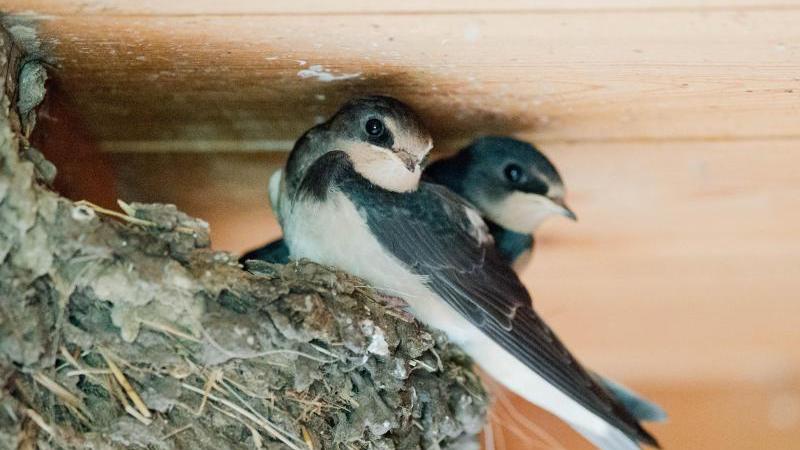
{"x":125,"y":330}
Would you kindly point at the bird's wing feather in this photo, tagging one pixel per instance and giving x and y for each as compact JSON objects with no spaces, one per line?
{"x":276,"y":252}
{"x":640,"y":407}
{"x":462,"y":265}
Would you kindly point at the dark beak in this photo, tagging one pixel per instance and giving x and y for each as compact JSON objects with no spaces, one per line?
{"x":565,"y":210}
{"x":409,"y":161}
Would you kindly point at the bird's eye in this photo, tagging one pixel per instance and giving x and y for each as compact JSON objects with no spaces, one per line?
{"x":513,"y":173}
{"x":374,"y":127}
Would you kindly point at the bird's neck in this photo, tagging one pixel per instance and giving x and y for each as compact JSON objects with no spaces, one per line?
{"x":511,"y":244}
{"x":448,"y":172}
{"x":324,"y":175}
{"x":306,"y":152}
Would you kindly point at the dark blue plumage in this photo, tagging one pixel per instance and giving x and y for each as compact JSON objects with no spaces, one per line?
{"x":275,"y":252}
{"x":510,"y":244}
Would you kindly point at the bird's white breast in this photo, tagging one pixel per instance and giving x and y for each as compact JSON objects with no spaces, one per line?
{"x":334,"y":233}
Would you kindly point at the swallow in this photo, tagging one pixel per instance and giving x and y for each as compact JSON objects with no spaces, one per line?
{"x":516,"y":188}
{"x":513,"y":185}
{"x":351,"y":196}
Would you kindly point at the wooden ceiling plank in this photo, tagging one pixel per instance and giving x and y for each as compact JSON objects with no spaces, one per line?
{"x":251,"y":7}
{"x":582,"y":77}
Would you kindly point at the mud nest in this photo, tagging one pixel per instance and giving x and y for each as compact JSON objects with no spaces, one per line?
{"x":125,"y":330}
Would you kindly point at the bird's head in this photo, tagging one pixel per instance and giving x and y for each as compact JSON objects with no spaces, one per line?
{"x":384,"y":139}
{"x":512,"y":183}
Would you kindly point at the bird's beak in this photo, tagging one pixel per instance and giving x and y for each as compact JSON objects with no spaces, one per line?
{"x":408,"y":159}
{"x":564,"y":210}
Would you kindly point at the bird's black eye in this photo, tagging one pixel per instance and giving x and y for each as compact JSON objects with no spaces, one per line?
{"x":374,"y":127}
{"x":513,"y":173}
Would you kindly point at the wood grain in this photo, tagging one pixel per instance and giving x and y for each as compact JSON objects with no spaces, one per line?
{"x":225,"y":83}
{"x":316,"y":7}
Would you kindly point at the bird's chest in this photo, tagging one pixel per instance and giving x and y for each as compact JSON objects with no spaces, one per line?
{"x":323,"y":231}
{"x":334,"y":233}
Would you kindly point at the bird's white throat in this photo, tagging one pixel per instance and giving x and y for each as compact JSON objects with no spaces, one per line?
{"x":521,"y":212}
{"x":382,"y":167}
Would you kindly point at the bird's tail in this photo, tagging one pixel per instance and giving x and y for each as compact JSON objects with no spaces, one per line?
{"x":593,"y":412}
{"x":539,"y":391}
{"x":638,"y":406}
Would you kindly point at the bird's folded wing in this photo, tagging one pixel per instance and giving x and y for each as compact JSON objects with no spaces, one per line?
{"x":463,"y":266}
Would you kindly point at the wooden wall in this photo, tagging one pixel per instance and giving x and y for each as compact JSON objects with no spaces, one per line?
{"x":676,"y":125}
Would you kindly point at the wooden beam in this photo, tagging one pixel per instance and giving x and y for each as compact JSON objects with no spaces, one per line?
{"x":316,"y":7}
{"x":255,"y":82}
